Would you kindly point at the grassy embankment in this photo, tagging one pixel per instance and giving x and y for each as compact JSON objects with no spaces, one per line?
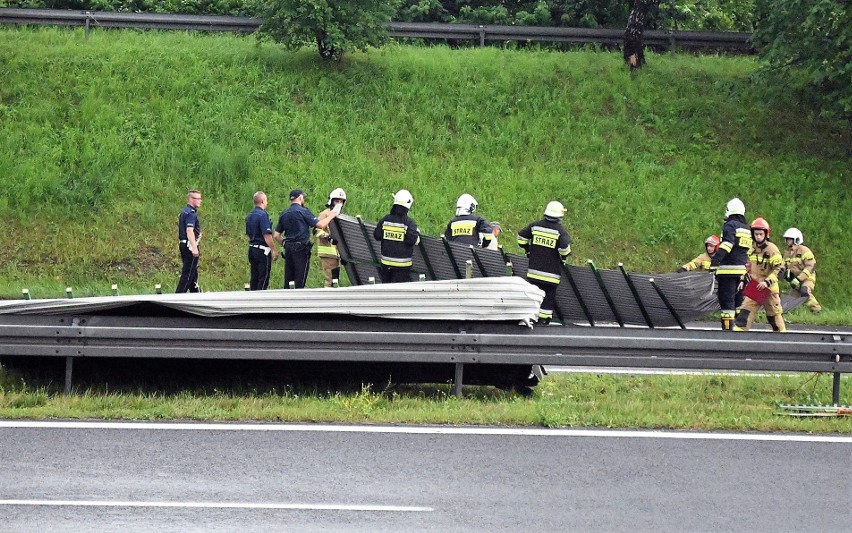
{"x":102,"y":137}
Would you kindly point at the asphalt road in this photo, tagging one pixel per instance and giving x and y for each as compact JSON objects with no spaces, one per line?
{"x":119,"y":477}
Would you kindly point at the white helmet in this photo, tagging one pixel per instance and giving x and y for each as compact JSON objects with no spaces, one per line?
{"x":795,"y":234}
{"x":735,"y":207}
{"x":465,"y":205}
{"x":336,"y":194}
{"x":554,"y":210}
{"x":403,"y":198}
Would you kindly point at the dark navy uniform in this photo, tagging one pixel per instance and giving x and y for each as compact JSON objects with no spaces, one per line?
{"x":188,"y":221}
{"x":294,"y":224}
{"x":466,"y":229}
{"x":258,"y":224}
{"x":730,"y":264}
{"x":547,"y":245}
{"x":398,"y":235}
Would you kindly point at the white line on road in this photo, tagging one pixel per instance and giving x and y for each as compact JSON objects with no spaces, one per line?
{"x":224,"y":505}
{"x":424,"y":430}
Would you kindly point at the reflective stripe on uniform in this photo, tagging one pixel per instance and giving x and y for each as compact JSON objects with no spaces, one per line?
{"x":545,"y":237}
{"x":393,"y":231}
{"x":540,"y":275}
{"x":731,"y":269}
{"x":397,"y":261}
{"x":461,"y":228}
{"x":327,"y":251}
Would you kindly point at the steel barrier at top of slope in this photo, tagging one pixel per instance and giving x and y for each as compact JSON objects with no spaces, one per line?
{"x":586,"y":294}
{"x":738,"y":41}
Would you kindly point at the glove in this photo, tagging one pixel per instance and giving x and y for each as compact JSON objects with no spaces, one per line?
{"x":681,"y":269}
{"x":795,"y":283}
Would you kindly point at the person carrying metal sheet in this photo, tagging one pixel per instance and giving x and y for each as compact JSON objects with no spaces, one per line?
{"x":326,"y":245}
{"x":398,"y":235}
{"x":547,"y":244}
{"x":729,"y":261}
{"x":799,"y":268}
{"x":189,"y":237}
{"x":702,"y":261}
{"x":292,"y":231}
{"x":467,"y":227}
{"x":761,"y":290}
{"x":261,"y":248}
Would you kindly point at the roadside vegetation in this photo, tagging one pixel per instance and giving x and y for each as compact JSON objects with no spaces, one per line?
{"x":692,"y":402}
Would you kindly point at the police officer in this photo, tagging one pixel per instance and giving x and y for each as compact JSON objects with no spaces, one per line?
{"x":702,"y":261}
{"x":765,"y":263}
{"x":326,"y":245}
{"x":292,"y":231}
{"x":189,"y":237}
{"x":730,"y":259}
{"x":547,"y":244}
{"x":398,"y":235}
{"x":467,"y":227}
{"x":261,"y":250}
{"x":800,"y":265}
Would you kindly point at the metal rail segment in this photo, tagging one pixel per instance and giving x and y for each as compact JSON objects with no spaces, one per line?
{"x":400,"y":341}
{"x":738,"y":41}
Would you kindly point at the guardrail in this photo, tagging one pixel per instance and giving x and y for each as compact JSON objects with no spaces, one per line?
{"x":400,"y":341}
{"x":738,"y":41}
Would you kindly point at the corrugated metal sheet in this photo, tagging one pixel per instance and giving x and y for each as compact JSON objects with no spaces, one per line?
{"x":498,"y":299}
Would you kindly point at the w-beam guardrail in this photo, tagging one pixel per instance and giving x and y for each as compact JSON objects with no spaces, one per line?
{"x":481,"y":34}
{"x":399,"y":341}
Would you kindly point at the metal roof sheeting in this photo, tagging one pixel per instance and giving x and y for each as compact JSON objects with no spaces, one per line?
{"x":482,"y":299}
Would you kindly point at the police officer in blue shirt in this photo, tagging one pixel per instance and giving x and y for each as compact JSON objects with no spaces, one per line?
{"x":189,"y":236}
{"x":261,"y":251}
{"x":292,"y":231}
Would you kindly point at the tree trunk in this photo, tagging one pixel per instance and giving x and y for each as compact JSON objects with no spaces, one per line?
{"x":634,"y":43}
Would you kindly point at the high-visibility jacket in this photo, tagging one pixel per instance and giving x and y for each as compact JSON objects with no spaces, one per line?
{"x":398,"y":235}
{"x":324,"y":246}
{"x":765,"y":263}
{"x":702,"y":262}
{"x":547,"y":244}
{"x":466,"y":229}
{"x":732,"y":255}
{"x":800,"y":260}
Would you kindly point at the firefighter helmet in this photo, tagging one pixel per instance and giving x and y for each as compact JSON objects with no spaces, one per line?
{"x":735,"y":207}
{"x":761,"y":223}
{"x":403,"y":198}
{"x":795,"y":234}
{"x":336,"y":194}
{"x":465,"y":205}
{"x":714,"y":241}
{"x":554,"y":210}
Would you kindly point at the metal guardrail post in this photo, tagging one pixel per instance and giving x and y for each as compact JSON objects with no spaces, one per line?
{"x":478,"y":260}
{"x":633,"y":290}
{"x":667,"y":304}
{"x":570,"y":278}
{"x":451,"y":256}
{"x":458,"y":381}
{"x":510,"y":270}
{"x":835,"y":389}
{"x":606,"y":293}
{"x":369,"y":244}
{"x":468,"y":269}
{"x":158,"y":289}
{"x":69,"y":292}
{"x":69,"y":371}
{"x":481,"y":36}
{"x":25,"y":294}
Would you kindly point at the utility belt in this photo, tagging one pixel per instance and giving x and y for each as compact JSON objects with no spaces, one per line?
{"x":266,"y":249}
{"x":186,"y":242}
{"x":298,"y":246}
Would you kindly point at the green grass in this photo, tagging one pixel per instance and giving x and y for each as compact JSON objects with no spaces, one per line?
{"x":703,"y":402}
{"x":102,"y":138}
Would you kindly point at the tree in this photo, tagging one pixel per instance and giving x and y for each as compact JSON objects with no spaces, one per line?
{"x":812,"y":38}
{"x":634,"y":41}
{"x":335,"y":26}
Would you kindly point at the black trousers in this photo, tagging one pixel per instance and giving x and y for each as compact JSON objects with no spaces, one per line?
{"x":729,"y":298}
{"x":395,"y":274}
{"x":261,"y":267}
{"x":548,"y":304}
{"x":297,"y":261}
{"x":189,"y":272}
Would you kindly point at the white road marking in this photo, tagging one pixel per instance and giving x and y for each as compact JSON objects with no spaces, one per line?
{"x":424,"y":430}
{"x":224,"y":505}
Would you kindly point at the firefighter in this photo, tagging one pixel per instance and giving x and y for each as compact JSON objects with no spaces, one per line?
{"x":547,"y":245}
{"x":799,"y":264}
{"x":398,"y":235}
{"x":702,"y":262}
{"x":326,"y":245}
{"x":765,"y":264}
{"x":467,"y":227}
{"x":729,"y":261}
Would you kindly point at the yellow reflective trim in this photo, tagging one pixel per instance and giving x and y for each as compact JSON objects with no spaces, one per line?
{"x":729,"y":269}
{"x":390,"y":233}
{"x":541,"y":277}
{"x":328,"y":250}
{"x":726,"y":246}
{"x":388,"y":262}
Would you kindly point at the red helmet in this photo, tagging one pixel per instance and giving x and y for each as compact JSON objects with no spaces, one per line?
{"x":714,"y":241}
{"x":760,"y":223}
